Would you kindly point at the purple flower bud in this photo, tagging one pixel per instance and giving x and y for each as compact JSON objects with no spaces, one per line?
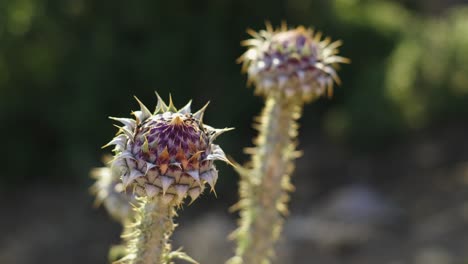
{"x":165,"y":152}
{"x":292,"y":63}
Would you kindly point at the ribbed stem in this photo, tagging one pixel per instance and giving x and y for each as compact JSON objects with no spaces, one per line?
{"x":148,"y":238}
{"x":264,"y":186}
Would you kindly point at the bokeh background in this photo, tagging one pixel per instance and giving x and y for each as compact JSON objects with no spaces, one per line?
{"x":384,"y":175}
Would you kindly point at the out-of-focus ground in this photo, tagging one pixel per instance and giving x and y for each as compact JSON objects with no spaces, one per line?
{"x":416,"y":213}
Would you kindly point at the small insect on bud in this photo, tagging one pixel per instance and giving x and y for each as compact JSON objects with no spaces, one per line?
{"x":291,"y":62}
{"x":167,"y":153}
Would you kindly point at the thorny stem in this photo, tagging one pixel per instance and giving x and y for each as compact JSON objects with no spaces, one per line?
{"x":264,"y":186}
{"x":148,"y":238}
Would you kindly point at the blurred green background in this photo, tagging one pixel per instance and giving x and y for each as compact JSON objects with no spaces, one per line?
{"x":65,"y":66}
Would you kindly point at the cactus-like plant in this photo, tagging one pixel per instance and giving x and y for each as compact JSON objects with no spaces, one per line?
{"x":288,"y":68}
{"x":163,"y":157}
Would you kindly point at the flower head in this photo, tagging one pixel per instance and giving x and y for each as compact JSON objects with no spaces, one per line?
{"x":109,"y":192}
{"x":294,"y":62}
{"x":168,"y":153}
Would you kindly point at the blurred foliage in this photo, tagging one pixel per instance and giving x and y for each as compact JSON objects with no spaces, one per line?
{"x":418,"y":82}
{"x":67,"y":65}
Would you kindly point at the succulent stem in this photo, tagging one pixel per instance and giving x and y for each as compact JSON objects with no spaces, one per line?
{"x":148,"y":237}
{"x":264,"y":186}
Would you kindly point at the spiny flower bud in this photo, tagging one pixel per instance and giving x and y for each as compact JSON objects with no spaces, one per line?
{"x":168,"y":153}
{"x":295,"y":62}
{"x":109,"y":192}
